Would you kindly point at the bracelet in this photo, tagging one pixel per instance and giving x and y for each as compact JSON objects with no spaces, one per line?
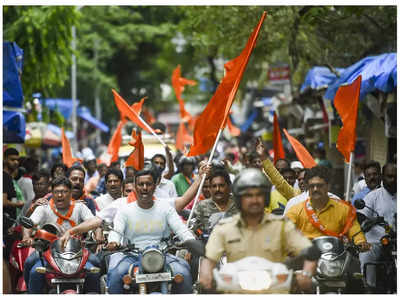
{"x":306,"y":273}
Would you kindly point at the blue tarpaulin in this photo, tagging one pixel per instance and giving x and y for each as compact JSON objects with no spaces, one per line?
{"x":318,"y":78}
{"x":13,"y":127}
{"x":378,"y":73}
{"x":64,"y":106}
{"x":246,"y":125}
{"x":85,"y":114}
{"x":12,"y":69}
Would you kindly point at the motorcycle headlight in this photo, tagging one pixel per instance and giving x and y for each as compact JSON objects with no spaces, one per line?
{"x":68,"y":264}
{"x":330,"y":268}
{"x":152,"y":260}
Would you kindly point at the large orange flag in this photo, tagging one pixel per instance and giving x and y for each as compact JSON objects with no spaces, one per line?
{"x":127,"y":111}
{"x":233,"y":130}
{"x":178,"y":83}
{"x":68,"y":160}
{"x":111,"y":154}
{"x":214,"y":116}
{"x":182,"y":137}
{"x":279,"y":152}
{"x":346,"y":103}
{"x":301,"y":152}
{"x":136,"y":159}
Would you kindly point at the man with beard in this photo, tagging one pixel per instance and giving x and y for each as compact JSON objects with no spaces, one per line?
{"x":220,"y":202}
{"x":41,"y":184}
{"x":10,"y":203}
{"x":383,"y":200}
{"x":76,"y":174}
{"x":66,"y":212}
{"x":373,"y":177}
{"x":113,"y":181}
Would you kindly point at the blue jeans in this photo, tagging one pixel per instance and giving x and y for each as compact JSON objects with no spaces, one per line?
{"x":179,"y":265}
{"x":35,"y":281}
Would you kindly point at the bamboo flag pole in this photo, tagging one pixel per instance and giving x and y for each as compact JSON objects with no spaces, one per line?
{"x":204,"y":176}
{"x":347,"y":195}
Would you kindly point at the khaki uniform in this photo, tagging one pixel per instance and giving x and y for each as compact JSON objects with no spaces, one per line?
{"x":274,"y":239}
{"x":205,"y":208}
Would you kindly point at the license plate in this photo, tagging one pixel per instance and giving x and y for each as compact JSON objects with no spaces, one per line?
{"x":68,"y":280}
{"x":154,"y":277}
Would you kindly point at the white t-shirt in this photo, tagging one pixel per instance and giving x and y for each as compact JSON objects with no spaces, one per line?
{"x":301,"y":198}
{"x":104,"y":200}
{"x":145,"y":227}
{"x":165,"y":189}
{"x":358,"y":186}
{"x":385,"y":205}
{"x":43,"y":214}
{"x":26,"y":186}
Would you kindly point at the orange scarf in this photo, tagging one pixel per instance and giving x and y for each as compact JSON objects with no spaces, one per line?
{"x":313,"y":218}
{"x":62,"y":218}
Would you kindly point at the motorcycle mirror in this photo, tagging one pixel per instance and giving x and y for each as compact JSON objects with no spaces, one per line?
{"x":359,"y":203}
{"x":195,"y":246}
{"x":26,"y":222}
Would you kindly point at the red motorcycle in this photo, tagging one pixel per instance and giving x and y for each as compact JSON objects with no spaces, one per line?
{"x":66,"y":272}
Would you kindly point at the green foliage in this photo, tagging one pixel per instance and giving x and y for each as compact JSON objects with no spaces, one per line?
{"x":44,"y":33}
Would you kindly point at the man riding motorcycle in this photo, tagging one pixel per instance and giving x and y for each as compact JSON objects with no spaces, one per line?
{"x":254,"y":232}
{"x":64,"y":211}
{"x":145,"y":222}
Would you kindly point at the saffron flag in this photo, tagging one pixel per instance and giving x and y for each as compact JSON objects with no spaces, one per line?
{"x":178,"y":83}
{"x":111,"y":154}
{"x":301,"y":152}
{"x":68,"y":160}
{"x":279,"y":152}
{"x":233,"y":130}
{"x":182,"y":137}
{"x":346,"y":103}
{"x":213,"y":118}
{"x":128,"y":112}
{"x":136,"y":159}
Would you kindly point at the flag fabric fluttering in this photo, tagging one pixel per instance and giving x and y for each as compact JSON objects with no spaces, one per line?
{"x":301,"y":152}
{"x":214,"y":117}
{"x":136,"y":159}
{"x":279,"y":152}
{"x":233,"y":130}
{"x":178,"y":84}
{"x":182,"y":137}
{"x":111,"y":154}
{"x":67,"y":158}
{"x":127,"y":111}
{"x":346,"y":104}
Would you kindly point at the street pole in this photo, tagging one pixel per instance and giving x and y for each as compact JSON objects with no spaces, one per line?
{"x":74,"y":145}
{"x":97,"y":105}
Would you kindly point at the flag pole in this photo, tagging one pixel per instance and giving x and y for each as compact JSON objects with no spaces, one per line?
{"x":203,"y":179}
{"x":347,"y":195}
{"x":152,"y":131}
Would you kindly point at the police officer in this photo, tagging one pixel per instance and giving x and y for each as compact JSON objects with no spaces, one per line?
{"x":253,"y":232}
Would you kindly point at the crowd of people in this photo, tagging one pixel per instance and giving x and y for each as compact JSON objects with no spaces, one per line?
{"x":271,"y":209}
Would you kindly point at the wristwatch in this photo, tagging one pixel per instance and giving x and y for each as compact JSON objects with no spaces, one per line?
{"x":306,"y":273}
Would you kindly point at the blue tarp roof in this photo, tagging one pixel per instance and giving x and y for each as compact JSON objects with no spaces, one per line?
{"x":378,"y":73}
{"x":85,"y":114}
{"x":13,"y":127}
{"x":12,"y":68}
{"x":318,"y":78}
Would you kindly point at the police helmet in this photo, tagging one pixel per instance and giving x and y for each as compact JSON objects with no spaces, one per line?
{"x":250,"y":178}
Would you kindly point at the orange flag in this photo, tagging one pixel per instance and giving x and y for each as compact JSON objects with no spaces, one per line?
{"x":68,"y":160}
{"x":178,"y":83}
{"x":214,"y":116}
{"x":279,"y":152}
{"x":111,"y":154}
{"x":346,"y":103}
{"x":301,"y":152}
{"x":127,"y":111}
{"x":148,"y":117}
{"x":182,"y":137}
{"x":136,"y":159}
{"x":233,"y":130}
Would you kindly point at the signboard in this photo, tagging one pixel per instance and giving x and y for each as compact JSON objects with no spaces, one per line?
{"x":279,"y":74}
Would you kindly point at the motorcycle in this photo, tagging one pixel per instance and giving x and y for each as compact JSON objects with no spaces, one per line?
{"x":334,"y":272}
{"x":386,"y":267}
{"x":65,"y":273}
{"x":152,"y":274}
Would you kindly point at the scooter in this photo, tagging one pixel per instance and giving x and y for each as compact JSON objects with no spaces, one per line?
{"x":386,"y":267}
{"x":65,"y":273}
